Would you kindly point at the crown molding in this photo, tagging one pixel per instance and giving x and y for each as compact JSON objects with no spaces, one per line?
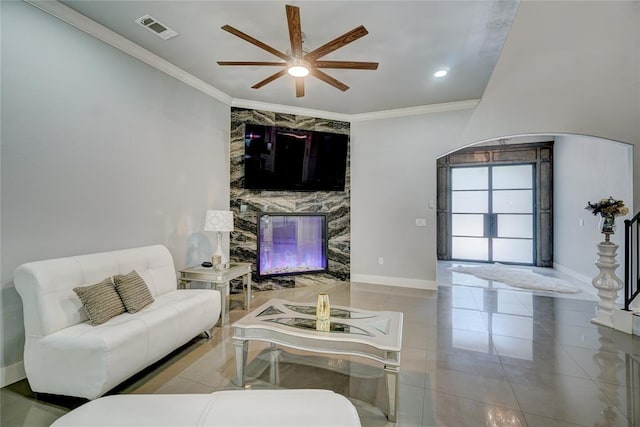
{"x":91,"y":27}
{"x":376,"y":115}
{"x":413,"y":111}
{"x":286,"y":109}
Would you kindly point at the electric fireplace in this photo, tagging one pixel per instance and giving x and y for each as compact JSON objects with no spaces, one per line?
{"x":291,"y":243}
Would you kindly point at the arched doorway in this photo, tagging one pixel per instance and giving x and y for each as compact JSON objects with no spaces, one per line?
{"x":495,"y":204}
{"x":585,"y":168}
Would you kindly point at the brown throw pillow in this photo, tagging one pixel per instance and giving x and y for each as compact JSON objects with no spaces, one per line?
{"x":100,"y":301}
{"x":133,"y":290}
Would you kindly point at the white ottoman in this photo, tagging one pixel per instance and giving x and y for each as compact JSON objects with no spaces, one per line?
{"x":222,"y":408}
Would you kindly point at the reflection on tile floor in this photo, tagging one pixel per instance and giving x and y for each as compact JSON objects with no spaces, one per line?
{"x":473,"y":354}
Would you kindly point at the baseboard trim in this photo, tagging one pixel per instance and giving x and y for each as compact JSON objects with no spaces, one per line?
{"x":12,"y":373}
{"x":569,"y":272}
{"x":401,"y":282}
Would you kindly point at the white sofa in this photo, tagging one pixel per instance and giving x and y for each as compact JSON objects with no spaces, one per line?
{"x":222,"y":408}
{"x":66,"y":355}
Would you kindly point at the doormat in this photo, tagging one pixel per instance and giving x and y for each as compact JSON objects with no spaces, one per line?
{"x":517,"y":277}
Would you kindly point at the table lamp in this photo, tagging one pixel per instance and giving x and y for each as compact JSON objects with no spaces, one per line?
{"x":220,"y":222}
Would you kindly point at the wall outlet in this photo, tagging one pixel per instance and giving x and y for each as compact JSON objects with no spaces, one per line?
{"x":581,"y":222}
{"x":380,"y":260}
{"x":431,"y":204}
{"x":421,"y":222}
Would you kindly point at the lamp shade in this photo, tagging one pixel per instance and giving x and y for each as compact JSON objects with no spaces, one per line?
{"x":218,"y":221}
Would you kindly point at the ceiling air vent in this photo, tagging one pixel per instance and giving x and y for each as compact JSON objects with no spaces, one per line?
{"x":156,"y":27}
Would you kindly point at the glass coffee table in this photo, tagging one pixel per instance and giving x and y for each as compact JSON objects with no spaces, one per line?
{"x":375,"y":335}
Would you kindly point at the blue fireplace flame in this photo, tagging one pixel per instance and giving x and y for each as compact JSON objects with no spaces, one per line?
{"x":291,"y":243}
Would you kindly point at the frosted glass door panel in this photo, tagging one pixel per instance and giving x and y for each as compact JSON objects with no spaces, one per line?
{"x":492,"y":213}
{"x":512,"y":177}
{"x":513,"y":201}
{"x":515,"y":226}
{"x":470,"y":178}
{"x":467,"y":225}
{"x":513,"y":250}
{"x":469,"y":201}
{"x":472,"y":248}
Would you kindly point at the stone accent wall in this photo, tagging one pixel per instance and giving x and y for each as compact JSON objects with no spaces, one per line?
{"x":246,"y":203}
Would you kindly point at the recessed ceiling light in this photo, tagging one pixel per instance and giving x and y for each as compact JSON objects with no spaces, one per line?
{"x":440,"y":73}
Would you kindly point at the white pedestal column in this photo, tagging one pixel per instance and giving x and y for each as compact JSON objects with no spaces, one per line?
{"x":607,"y":284}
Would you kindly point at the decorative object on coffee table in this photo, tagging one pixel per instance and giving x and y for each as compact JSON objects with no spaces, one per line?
{"x":220,"y":222}
{"x":607,"y":283}
{"x":323,"y":325}
{"x":323,"y":310}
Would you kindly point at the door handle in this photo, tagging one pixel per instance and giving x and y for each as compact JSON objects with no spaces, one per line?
{"x":494,"y":225}
{"x":487,"y":227}
{"x":490,"y":225}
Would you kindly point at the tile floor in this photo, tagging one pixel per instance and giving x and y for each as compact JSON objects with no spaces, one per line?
{"x":475,"y":353}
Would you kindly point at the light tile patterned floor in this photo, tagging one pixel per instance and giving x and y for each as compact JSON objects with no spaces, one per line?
{"x":475,"y":353}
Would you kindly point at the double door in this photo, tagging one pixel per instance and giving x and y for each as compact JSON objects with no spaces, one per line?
{"x":492,"y":213}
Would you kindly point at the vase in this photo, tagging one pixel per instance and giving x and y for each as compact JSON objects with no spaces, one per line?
{"x":323,"y":325}
{"x":323,"y":310}
{"x":608,"y":226}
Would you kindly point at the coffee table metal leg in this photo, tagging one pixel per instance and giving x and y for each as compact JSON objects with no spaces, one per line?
{"x":391,"y":374}
{"x":241,"y":347}
{"x":274,"y":373}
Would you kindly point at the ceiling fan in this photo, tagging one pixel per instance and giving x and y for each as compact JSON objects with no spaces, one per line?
{"x":299,"y":63}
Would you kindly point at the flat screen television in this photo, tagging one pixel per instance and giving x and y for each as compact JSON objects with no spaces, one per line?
{"x":280,"y":158}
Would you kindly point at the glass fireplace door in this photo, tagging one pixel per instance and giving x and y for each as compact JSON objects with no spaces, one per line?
{"x":291,"y":243}
{"x":492,"y":213}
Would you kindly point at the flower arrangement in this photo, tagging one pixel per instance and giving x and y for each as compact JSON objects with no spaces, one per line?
{"x":608,"y":207}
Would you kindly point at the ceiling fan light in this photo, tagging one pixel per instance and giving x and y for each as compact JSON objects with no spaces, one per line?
{"x":441,"y":73}
{"x":298,"y":71}
{"x":298,"y":68}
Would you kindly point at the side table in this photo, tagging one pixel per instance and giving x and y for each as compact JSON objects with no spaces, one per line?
{"x":220,"y":277}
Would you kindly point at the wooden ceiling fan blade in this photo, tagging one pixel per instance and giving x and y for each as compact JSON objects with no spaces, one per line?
{"x":254,"y":63}
{"x":295,"y":30}
{"x":328,"y":79}
{"x":337,"y":43}
{"x":256,"y":42}
{"x":269,"y":79}
{"x":299,"y":87}
{"x":353,"y":65}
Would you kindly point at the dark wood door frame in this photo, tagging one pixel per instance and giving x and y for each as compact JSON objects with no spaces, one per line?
{"x":540,"y":154}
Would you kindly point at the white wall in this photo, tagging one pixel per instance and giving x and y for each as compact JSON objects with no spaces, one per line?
{"x":99,"y":152}
{"x":566,"y":67}
{"x":393,"y":179}
{"x":586,"y":169}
